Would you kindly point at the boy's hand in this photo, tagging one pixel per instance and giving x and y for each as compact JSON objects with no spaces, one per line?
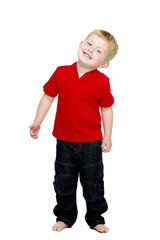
{"x":34,"y":129}
{"x":106,"y":144}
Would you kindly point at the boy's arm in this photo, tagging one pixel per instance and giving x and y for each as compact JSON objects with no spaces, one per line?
{"x":107,"y":119}
{"x":43,"y":107}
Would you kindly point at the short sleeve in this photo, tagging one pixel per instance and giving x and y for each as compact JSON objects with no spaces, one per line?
{"x":51,"y":87}
{"x":106,"y":98}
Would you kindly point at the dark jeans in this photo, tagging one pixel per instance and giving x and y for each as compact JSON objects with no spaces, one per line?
{"x":85,"y":159}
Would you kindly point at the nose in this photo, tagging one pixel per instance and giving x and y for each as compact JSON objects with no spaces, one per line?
{"x":90,"y":49}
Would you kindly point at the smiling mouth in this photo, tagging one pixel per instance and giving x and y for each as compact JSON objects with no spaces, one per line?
{"x":87,"y":55}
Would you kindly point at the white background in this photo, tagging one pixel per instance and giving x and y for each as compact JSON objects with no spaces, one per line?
{"x":38,"y":36}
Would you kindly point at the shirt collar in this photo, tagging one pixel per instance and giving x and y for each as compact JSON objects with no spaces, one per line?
{"x":75,"y":71}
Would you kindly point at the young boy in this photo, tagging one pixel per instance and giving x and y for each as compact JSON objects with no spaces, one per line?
{"x":81,"y":90}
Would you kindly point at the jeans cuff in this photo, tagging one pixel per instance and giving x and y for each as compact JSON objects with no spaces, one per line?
{"x":66,"y":221}
{"x":95,"y":223}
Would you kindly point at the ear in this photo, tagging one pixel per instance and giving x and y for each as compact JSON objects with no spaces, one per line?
{"x":104,"y":65}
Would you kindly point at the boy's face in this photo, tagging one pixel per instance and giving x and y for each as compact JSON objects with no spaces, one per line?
{"x":93,"y":51}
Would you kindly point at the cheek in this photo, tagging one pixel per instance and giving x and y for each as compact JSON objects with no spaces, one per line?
{"x":100,"y":58}
{"x":80,"y":49}
{"x":83,"y":47}
{"x":97,"y":58}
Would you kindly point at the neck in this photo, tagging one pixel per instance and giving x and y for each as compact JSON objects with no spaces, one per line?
{"x":82,"y":68}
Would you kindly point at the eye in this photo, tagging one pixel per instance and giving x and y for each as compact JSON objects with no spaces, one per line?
{"x":98,"y":51}
{"x":89,"y":43}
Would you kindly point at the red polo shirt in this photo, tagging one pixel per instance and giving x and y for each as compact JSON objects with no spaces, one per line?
{"x":78,"y":116}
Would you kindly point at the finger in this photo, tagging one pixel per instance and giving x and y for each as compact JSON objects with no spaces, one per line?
{"x":33,"y":130}
{"x":104,"y":151}
{"x":33,"y":133}
{"x":34,"y":136}
{"x":31,"y":126}
{"x":106,"y":148}
{"x":109,"y":149}
{"x":103,"y":146}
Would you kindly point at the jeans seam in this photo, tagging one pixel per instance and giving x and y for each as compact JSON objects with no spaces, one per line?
{"x":66,"y":164}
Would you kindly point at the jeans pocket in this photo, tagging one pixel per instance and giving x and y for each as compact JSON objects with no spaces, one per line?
{"x":97,"y":143}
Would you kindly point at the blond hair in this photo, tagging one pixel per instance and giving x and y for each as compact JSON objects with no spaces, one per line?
{"x":110,"y":39}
